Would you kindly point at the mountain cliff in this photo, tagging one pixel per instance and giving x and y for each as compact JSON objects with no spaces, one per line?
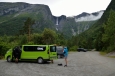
{"x":19,"y":8}
{"x":13,"y":16}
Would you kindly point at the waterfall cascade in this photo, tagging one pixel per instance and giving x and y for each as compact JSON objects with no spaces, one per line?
{"x":57,"y":21}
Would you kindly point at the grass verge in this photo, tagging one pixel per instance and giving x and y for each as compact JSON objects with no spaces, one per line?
{"x":105,"y":54}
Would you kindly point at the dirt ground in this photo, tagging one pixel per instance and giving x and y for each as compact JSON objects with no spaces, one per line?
{"x":79,"y":64}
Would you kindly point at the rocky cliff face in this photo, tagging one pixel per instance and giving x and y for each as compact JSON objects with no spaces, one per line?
{"x":18,"y":8}
{"x":11,"y":8}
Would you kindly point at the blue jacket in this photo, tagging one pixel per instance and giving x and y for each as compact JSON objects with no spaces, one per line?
{"x":65,"y":51}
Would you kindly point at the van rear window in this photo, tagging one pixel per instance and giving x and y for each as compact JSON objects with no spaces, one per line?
{"x":34,"y":48}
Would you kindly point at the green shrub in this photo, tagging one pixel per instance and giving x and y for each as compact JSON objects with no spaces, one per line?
{"x":74,"y":48}
{"x":3,"y":48}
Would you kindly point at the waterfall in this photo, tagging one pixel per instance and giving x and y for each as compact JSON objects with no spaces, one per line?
{"x":57,"y":21}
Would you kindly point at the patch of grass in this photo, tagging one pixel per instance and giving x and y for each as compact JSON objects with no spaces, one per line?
{"x":103,"y":53}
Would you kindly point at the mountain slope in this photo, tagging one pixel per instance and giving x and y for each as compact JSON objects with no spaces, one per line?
{"x":13,"y":15}
{"x":95,"y":33}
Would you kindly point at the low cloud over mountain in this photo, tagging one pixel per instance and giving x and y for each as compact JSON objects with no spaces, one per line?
{"x":89,"y":17}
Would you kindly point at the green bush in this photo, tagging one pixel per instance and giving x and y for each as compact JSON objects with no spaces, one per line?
{"x":74,"y":48}
{"x":110,"y":49}
{"x":3,"y":48}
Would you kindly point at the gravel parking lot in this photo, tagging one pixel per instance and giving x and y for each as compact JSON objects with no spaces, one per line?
{"x":79,"y":64}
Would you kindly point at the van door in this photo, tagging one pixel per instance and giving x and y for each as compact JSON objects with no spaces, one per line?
{"x":53,"y":53}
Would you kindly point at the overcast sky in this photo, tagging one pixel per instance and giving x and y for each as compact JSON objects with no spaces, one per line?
{"x":69,"y":7}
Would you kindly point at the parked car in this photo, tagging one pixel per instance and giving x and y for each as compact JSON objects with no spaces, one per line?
{"x":59,"y":50}
{"x":81,"y":49}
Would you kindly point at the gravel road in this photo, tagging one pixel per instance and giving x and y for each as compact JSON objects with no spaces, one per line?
{"x":79,"y":64}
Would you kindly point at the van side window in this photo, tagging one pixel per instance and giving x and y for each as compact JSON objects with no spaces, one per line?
{"x":40,"y":48}
{"x":34,"y":48}
{"x":28,"y":48}
{"x":52,"y":49}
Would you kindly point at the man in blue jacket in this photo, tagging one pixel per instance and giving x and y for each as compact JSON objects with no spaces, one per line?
{"x":65,"y":55}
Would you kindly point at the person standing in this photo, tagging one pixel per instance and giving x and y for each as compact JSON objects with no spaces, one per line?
{"x":65,"y":51}
{"x":17,"y":53}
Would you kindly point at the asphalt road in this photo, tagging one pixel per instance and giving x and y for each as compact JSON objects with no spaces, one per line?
{"x":79,"y":64}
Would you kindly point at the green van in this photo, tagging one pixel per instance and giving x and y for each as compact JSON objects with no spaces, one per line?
{"x":40,"y":53}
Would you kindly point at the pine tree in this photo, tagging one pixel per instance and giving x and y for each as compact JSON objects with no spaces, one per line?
{"x":27,"y":28}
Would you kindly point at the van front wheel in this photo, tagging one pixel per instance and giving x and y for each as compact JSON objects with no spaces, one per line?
{"x":8,"y":59}
{"x":40,"y":60}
